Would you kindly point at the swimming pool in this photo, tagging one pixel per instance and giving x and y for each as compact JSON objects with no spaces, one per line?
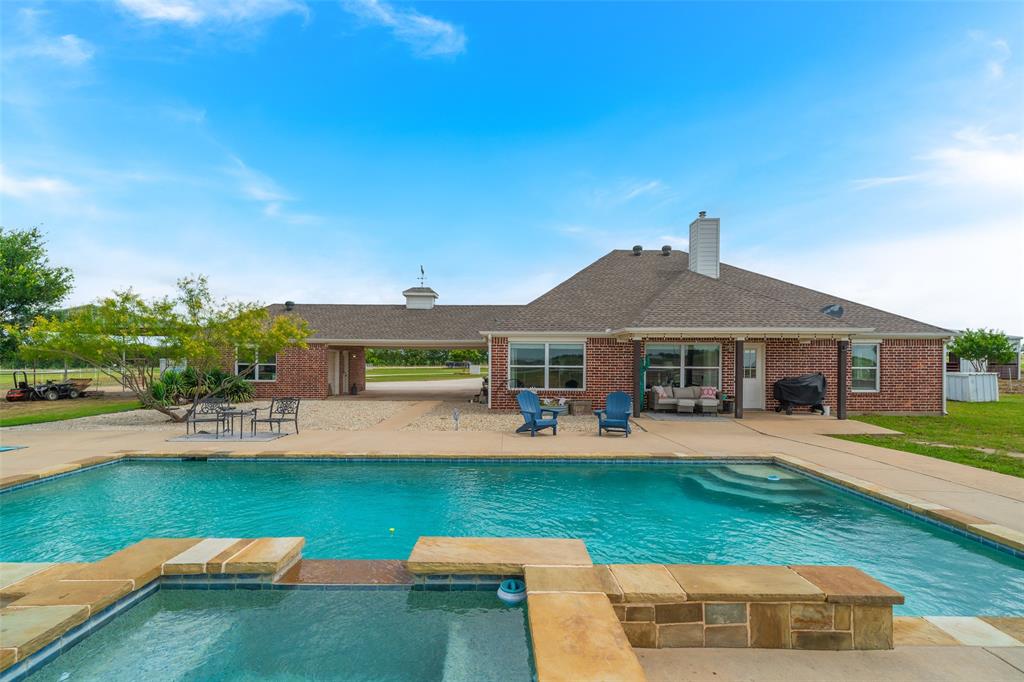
{"x":625,"y":512}
{"x":304,"y":634}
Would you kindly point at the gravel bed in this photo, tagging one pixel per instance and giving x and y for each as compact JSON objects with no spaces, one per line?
{"x":314,"y":415}
{"x":476,"y":417}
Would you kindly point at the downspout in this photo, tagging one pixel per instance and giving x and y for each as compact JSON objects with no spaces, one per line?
{"x":945,"y":349}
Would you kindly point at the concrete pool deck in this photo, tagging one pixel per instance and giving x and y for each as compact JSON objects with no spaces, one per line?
{"x":979,"y":496}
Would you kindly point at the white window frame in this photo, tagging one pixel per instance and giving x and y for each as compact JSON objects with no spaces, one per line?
{"x":877,"y":367}
{"x":547,"y":363}
{"x":682,"y":367}
{"x":256,"y":361}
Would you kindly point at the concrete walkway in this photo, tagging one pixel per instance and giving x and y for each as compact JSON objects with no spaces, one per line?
{"x":440,"y":389}
{"x":988,"y":495}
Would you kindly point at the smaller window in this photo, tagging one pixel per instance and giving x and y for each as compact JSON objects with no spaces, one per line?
{"x":266,"y":367}
{"x":749,"y":363}
{"x":865,"y":366}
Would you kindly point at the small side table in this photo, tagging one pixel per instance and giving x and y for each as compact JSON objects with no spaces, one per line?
{"x":229,"y":417}
{"x":728,"y":405}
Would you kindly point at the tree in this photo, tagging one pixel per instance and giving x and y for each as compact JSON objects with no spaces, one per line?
{"x":982,"y":347}
{"x":29,"y":285}
{"x":125,"y":337}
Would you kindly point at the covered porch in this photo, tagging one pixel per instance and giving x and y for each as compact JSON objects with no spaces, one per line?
{"x":744,"y":368}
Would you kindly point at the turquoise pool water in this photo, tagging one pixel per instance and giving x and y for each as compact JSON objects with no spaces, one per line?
{"x":673,"y":513}
{"x":304,"y":635}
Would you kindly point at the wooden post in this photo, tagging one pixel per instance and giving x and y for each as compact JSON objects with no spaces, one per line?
{"x":738,"y":390}
{"x":843,"y":347}
{"x":638,"y":359}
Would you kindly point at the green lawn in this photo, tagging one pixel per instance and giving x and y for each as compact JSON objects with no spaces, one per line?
{"x":39,"y":411}
{"x":968,"y":426}
{"x":420,"y":373}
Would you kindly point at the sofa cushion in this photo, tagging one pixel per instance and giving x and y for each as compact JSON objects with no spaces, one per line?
{"x":689,"y":392}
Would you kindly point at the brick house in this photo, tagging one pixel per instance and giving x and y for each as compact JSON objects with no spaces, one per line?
{"x":638,"y":318}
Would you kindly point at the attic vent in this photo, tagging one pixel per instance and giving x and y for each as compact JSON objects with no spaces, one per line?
{"x":666,"y":250}
{"x":833,"y":310}
{"x":289,"y":305}
{"x":637,"y":250}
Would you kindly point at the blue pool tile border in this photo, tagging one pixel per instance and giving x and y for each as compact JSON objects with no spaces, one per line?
{"x":452,"y":459}
{"x":908,"y":512}
{"x":33,"y":662}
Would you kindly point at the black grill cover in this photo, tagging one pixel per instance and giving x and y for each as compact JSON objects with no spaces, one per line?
{"x":808,"y":389}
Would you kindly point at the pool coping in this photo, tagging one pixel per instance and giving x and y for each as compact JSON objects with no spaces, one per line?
{"x":992,"y":535}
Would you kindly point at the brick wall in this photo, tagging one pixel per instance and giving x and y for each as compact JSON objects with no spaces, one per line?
{"x":300,"y":372}
{"x":609,"y":368}
{"x":910,"y":377}
{"x":910,"y":373}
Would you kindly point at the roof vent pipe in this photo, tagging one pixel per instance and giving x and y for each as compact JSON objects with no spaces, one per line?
{"x":666,"y":250}
{"x":637,"y":250}
{"x":289,"y":305}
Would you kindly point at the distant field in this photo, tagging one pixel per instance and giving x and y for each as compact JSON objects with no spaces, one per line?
{"x":39,"y":411}
{"x":378,"y":374}
{"x":41,"y":376}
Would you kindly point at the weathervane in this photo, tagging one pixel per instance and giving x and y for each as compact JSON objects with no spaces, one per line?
{"x":423,"y":276}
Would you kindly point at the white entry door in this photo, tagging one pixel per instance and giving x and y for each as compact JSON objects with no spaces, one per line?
{"x":333,"y":363}
{"x":753,"y":376}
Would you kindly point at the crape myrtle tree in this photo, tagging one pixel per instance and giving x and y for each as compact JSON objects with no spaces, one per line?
{"x":983,"y":347}
{"x":125,"y":337}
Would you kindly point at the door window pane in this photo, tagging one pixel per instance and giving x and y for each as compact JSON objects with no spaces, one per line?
{"x":749,"y":363}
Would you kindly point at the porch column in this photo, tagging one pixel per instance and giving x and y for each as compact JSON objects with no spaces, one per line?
{"x":842,"y":348}
{"x":638,"y":359}
{"x":738,"y":390}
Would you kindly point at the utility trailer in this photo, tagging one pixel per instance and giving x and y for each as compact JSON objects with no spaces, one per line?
{"x":51,"y":390}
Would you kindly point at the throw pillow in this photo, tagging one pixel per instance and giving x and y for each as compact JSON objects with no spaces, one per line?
{"x":709,"y":392}
{"x":660,"y":391}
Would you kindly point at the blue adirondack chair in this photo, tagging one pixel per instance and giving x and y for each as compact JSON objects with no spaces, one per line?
{"x":618,"y":407}
{"x":533,"y":415}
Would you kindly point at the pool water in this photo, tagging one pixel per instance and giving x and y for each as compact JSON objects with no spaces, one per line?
{"x":633,"y":513}
{"x":304,"y":635}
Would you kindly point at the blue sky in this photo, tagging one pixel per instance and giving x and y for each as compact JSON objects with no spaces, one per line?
{"x":323,"y":151}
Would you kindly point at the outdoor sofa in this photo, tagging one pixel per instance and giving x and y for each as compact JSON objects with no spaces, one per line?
{"x":683,"y":399}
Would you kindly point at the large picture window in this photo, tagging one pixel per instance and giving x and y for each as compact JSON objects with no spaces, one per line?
{"x":545,"y":365}
{"x":865,"y":366}
{"x":684,"y":364}
{"x":266,"y":366}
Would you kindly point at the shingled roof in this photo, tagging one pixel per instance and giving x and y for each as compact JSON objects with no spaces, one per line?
{"x":456,"y":324}
{"x":622,"y":291}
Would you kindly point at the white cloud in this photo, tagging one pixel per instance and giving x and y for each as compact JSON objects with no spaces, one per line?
{"x":33,"y":187}
{"x":264,"y":190}
{"x":195,"y":12}
{"x":868,"y":183}
{"x":427,"y":36}
{"x":33,"y":43}
{"x":972,"y":159}
{"x":997,"y":53}
{"x":909,"y":275}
